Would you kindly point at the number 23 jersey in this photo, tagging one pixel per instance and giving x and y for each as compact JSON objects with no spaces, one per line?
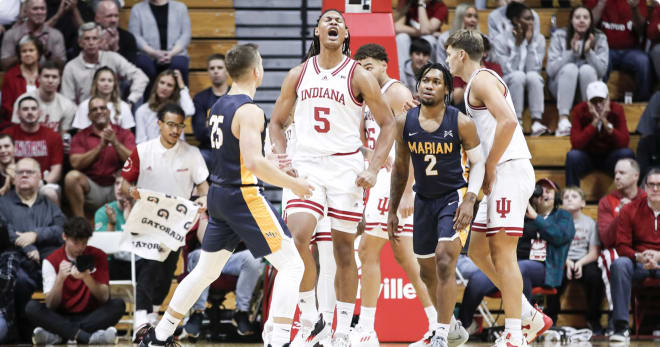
{"x":327,"y":114}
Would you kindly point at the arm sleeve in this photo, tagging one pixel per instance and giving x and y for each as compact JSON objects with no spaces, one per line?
{"x":201,"y":171}
{"x":535,"y":54}
{"x":624,"y":234}
{"x":126,"y":116}
{"x":131,"y":72}
{"x":186,"y":102}
{"x":134,"y":27}
{"x":7,"y":47}
{"x":58,"y":48}
{"x":620,"y":132}
{"x":140,"y":126}
{"x":68,"y":88}
{"x":607,"y":223}
{"x":653,"y":32}
{"x":102,"y":274}
{"x":201,"y":131}
{"x":557,"y":229}
{"x":77,"y":144}
{"x":186,"y":32}
{"x":594,"y":240}
{"x":599,"y":56}
{"x":48,"y":274}
{"x":580,"y":136}
{"x":507,"y":54}
{"x":56,"y":149}
{"x":557,"y":55}
{"x":101,"y":219}
{"x":52,"y":234}
{"x":131,"y":170}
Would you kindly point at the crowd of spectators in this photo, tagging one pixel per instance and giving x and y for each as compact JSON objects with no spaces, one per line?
{"x":81,"y":97}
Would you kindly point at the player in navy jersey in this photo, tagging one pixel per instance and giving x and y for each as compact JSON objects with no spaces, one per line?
{"x":237,"y":208}
{"x":439,"y":140}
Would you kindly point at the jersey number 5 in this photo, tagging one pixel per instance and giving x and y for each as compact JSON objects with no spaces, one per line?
{"x":216,"y":131}
{"x":430,"y":168}
{"x":320,"y":115}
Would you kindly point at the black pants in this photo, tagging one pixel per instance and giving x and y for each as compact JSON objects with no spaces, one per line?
{"x":594,"y":291}
{"x":119,"y":269}
{"x":154,"y":279}
{"x":67,"y":325}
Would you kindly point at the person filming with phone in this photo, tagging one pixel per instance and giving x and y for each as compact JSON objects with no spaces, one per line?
{"x":78,"y":306}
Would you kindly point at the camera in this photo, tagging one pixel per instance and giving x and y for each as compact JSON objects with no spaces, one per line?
{"x":84,"y":262}
{"x":538,"y":191}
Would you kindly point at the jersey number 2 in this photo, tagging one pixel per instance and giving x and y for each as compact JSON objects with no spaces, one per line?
{"x":216,"y":131}
{"x":320,"y":115}
{"x":430,"y":168}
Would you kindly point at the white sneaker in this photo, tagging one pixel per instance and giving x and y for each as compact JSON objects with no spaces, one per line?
{"x":41,"y":336}
{"x":425,"y":341}
{"x":361,"y":337}
{"x":267,"y":333}
{"x":563,"y":128}
{"x":439,"y":341}
{"x":311,"y":335}
{"x":473,"y":328}
{"x":457,"y":335}
{"x":535,"y":324}
{"x":506,"y":340}
{"x":340,"y":340}
{"x":538,"y":129}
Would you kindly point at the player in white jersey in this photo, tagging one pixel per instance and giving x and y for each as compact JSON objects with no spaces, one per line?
{"x":508,"y":184}
{"x":328,"y":91}
{"x":373,"y":58}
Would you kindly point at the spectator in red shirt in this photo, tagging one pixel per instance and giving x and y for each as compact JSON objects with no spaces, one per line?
{"x":22,"y":77}
{"x":626,"y":175}
{"x":37,"y":141}
{"x":418,"y":18}
{"x":599,"y":135}
{"x":653,"y":34}
{"x":623,"y":21}
{"x":637,"y":232}
{"x":97,"y":152}
{"x":78,"y":304}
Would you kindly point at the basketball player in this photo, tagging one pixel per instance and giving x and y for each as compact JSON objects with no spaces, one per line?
{"x":238,"y":210}
{"x":328,"y":91}
{"x":437,"y":138}
{"x":508,"y":184}
{"x":373,"y":58}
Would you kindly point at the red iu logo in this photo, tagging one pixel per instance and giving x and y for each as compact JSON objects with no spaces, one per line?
{"x":383,"y":205}
{"x":503,"y":207}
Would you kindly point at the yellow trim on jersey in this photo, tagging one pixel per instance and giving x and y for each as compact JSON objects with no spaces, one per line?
{"x":263,"y":215}
{"x":247,"y":177}
{"x":462,"y":234}
{"x":465,"y":164}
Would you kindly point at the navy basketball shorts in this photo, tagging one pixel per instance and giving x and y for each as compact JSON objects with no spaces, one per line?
{"x":433,"y":222}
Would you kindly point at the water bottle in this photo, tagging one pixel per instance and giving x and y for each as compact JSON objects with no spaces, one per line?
{"x":553,"y":24}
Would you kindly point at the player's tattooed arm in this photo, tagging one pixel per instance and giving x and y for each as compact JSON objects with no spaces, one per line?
{"x":400,"y":173}
{"x":467,"y":132}
{"x":282,"y":110}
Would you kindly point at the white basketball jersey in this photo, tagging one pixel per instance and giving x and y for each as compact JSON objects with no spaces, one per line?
{"x":327,"y":114}
{"x":372,"y":128}
{"x":486,"y":124}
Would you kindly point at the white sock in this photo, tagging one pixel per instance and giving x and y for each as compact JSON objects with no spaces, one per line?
{"x":367,"y":317}
{"x":432,"y":316}
{"x":166,"y":326}
{"x":328,"y":317}
{"x":281,"y":334}
{"x":514,"y":327}
{"x":344,"y":316}
{"x":140,"y":318}
{"x":307,"y":303}
{"x":442,"y":330}
{"x":527,"y":308}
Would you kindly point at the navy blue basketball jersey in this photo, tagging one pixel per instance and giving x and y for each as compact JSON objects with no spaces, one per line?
{"x":438,"y":158}
{"x":228,"y":168}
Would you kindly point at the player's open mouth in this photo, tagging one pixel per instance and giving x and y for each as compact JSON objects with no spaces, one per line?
{"x":334,"y":33}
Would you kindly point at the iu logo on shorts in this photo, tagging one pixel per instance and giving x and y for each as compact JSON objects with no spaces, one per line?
{"x":503,"y":207}
{"x":383,"y":205}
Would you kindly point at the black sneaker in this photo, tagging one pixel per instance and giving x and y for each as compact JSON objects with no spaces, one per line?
{"x":241,"y":321}
{"x":620,"y":335}
{"x":148,"y":338}
{"x":194,"y":324}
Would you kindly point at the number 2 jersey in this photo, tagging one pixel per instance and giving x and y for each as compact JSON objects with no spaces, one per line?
{"x":440,"y":163}
{"x":327,"y":114}
{"x":228,"y":168}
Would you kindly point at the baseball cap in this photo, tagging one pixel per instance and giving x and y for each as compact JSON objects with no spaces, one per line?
{"x":597,"y":89}
{"x":548,"y":182}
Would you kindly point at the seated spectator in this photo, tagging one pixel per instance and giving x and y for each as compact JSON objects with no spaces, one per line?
{"x":636,"y":233}
{"x":106,"y":86}
{"x":22,"y":77}
{"x":32,"y":140}
{"x":205,"y":99}
{"x":626,"y":175}
{"x":653,"y":34}
{"x":581,"y":263}
{"x":169,"y":87}
{"x":465,"y":17}
{"x":459,"y":85}
{"x":35,"y":223}
{"x":599,"y":135}
{"x":520,"y":52}
{"x":7,"y":163}
{"x":420,"y":55}
{"x":96,"y":153}
{"x":578,"y":54}
{"x":648,"y":150}
{"x":419,"y":19}
{"x":51,"y":39}
{"x":78,"y":306}
{"x":114,"y":38}
{"x":165,"y":48}
{"x":542,"y":250}
{"x":112,"y":217}
{"x":623,"y":22}
{"x":67,"y":17}
{"x":78,"y":73}
{"x":241,"y":264}
{"x":499,"y":23}
{"x":57,"y":111}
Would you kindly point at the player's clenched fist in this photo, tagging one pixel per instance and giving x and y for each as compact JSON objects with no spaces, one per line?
{"x":366,"y":179}
{"x":302,"y":188}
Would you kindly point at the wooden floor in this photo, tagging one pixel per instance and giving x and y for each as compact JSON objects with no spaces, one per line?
{"x":548,"y":344}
